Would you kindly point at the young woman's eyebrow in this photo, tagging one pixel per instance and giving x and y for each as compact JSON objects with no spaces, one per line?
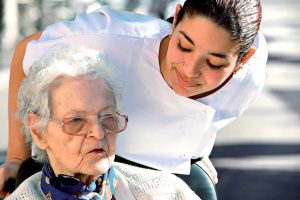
{"x":220,"y":55}
{"x":187,"y":37}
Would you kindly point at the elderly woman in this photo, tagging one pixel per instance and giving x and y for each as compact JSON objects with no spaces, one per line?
{"x":69,"y":110}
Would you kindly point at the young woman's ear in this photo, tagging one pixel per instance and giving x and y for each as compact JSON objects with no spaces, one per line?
{"x":175,"y":20}
{"x":248,"y":55}
{"x":245,"y":58}
{"x":37,"y":135}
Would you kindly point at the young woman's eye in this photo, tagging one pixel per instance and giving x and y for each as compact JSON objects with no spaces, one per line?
{"x":183,"y":49}
{"x":214,"y":67}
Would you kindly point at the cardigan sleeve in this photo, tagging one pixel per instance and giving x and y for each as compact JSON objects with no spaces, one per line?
{"x":147,"y":184}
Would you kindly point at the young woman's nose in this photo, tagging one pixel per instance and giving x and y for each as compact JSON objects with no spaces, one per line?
{"x":192,"y":69}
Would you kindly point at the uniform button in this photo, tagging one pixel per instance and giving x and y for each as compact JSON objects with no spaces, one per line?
{"x":204,"y":111}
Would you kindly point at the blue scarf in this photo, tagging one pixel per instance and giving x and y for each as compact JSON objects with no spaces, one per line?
{"x":70,"y":188}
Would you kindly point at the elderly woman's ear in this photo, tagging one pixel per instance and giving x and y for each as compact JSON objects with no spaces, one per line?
{"x":36,"y":134}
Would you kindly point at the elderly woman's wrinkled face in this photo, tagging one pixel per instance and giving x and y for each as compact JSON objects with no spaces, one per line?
{"x":89,"y":154}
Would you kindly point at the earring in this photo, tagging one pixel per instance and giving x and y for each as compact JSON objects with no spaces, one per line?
{"x":238,"y":69}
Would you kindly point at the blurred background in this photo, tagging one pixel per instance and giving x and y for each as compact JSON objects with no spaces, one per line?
{"x":258,"y":156}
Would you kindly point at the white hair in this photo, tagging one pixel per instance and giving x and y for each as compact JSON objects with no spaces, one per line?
{"x":44,"y":75}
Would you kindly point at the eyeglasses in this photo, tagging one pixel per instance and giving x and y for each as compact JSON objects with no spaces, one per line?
{"x":112,"y":123}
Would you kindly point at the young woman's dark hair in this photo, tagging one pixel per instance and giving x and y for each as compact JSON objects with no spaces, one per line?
{"x":241,"y":18}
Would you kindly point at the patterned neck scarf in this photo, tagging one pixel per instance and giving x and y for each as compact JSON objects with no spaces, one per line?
{"x":70,"y":188}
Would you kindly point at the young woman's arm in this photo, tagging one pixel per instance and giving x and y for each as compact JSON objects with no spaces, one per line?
{"x":17,"y":150}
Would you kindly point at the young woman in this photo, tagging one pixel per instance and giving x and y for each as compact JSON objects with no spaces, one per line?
{"x":182,"y":81}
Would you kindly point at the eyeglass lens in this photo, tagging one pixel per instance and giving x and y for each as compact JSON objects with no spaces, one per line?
{"x":82,"y":125}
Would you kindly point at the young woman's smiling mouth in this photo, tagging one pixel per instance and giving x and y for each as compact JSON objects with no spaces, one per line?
{"x":183,"y":81}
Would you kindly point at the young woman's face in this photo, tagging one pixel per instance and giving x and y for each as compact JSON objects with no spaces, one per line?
{"x":89,"y":154}
{"x":200,"y":57}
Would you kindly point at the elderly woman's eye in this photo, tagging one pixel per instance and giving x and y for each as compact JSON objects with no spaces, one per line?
{"x":109,"y":122}
{"x":75,"y":120}
{"x":74,"y":124}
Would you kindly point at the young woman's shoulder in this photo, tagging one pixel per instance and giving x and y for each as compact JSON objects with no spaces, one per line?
{"x":256,"y":66}
{"x":107,"y":20}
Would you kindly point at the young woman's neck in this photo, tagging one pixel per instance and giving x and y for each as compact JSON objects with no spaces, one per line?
{"x":163,"y":49}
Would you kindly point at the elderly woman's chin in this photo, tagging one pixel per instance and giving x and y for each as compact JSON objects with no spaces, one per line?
{"x":98,"y":166}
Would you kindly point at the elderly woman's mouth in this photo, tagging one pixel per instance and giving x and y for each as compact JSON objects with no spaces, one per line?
{"x":98,"y":151}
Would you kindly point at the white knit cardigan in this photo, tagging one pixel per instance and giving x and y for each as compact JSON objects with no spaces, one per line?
{"x":133,"y":184}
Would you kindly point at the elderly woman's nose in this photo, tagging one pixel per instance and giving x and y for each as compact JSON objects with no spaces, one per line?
{"x":97,"y":131}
